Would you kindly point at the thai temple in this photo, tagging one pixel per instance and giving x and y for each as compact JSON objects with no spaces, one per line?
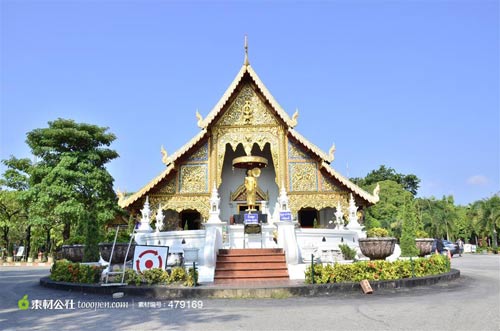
{"x":249,"y":158}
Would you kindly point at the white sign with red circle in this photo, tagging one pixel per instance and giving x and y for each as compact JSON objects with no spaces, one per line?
{"x":149,"y":257}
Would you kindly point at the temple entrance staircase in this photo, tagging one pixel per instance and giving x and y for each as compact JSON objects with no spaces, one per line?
{"x":251,"y":264}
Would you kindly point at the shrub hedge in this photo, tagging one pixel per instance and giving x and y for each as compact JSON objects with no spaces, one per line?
{"x":377,"y":270}
{"x":66,"y":271}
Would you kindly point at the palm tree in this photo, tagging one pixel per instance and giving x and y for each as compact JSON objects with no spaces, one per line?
{"x":487,"y":218}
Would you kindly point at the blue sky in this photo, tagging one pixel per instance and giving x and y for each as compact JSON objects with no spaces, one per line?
{"x":413,"y":85}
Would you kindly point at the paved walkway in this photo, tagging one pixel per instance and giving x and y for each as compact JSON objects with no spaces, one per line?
{"x":468,"y":303}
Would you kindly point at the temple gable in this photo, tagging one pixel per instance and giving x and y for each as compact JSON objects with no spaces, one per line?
{"x":247,"y":109}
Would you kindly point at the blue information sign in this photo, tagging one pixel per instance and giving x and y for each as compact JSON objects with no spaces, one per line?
{"x":286,"y":216}
{"x":251,"y":218}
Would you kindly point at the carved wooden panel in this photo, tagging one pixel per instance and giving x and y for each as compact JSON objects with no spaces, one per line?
{"x":193,"y":178}
{"x":303,"y":176}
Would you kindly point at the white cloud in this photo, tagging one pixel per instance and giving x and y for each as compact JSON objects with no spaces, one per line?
{"x":477,"y":180}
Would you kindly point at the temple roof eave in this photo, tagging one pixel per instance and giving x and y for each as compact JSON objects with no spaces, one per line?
{"x":170,"y":166}
{"x":143,"y":191}
{"x":372,"y":199}
{"x":309,"y":145}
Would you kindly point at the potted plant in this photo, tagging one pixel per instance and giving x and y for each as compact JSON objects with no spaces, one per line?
{"x":73,"y":249}
{"x":423,"y":243}
{"x":378,"y":245}
{"x":121,"y":246}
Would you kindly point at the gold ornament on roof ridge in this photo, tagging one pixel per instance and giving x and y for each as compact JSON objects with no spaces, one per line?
{"x":331,"y":153}
{"x":164,"y":154}
{"x":200,"y":119}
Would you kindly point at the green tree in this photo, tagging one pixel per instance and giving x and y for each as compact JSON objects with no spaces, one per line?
{"x":11,"y":218}
{"x":409,"y":228}
{"x":15,"y":198}
{"x":408,"y":182}
{"x":486,"y":218}
{"x":463,"y":224}
{"x":69,"y":185}
{"x":439,"y":216}
{"x":386,"y":213}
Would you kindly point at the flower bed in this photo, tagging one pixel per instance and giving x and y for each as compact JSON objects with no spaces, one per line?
{"x":66,"y":271}
{"x":177,"y":276}
{"x":378,"y":270}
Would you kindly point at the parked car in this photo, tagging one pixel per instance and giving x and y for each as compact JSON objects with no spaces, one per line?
{"x":447,"y":246}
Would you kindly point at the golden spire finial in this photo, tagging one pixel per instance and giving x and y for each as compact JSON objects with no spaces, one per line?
{"x":246,"y":51}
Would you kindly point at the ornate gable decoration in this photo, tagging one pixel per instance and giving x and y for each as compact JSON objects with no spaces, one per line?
{"x":247,"y":109}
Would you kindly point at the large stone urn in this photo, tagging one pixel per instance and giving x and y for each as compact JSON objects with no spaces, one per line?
{"x":73,"y":253}
{"x":118,"y":254}
{"x":424,"y":245}
{"x":377,"y":248}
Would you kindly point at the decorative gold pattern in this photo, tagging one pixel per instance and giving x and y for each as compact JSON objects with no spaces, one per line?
{"x":247,"y":136}
{"x":199,"y":202}
{"x":247,"y":109}
{"x":297,"y":153}
{"x":193,"y":178}
{"x":200,"y":155}
{"x":327,"y":184}
{"x":168,"y":187}
{"x":247,"y":112}
{"x":303,"y":176}
{"x":318,"y":201}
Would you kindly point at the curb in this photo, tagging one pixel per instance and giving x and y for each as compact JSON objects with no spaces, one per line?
{"x":225,"y":292}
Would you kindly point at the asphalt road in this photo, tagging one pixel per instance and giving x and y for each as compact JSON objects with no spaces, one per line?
{"x":469,"y":303}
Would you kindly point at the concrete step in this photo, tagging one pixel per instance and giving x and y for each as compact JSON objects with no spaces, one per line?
{"x":224,"y":274}
{"x":252,"y":258}
{"x":251,"y":251}
{"x":250,"y":265}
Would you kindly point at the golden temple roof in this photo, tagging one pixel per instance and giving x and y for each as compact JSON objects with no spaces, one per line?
{"x":290,"y":123}
{"x":247,"y":69}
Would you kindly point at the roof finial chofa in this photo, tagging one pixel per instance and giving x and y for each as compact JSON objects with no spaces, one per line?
{"x":246,"y":51}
